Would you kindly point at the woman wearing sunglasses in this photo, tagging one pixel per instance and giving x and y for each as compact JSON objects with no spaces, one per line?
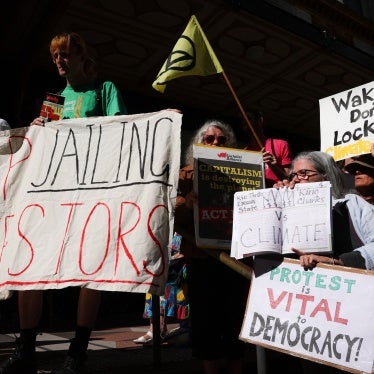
{"x":362,"y":169}
{"x":217,"y":293}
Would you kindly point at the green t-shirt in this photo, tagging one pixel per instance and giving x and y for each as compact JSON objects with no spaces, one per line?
{"x":82,"y":101}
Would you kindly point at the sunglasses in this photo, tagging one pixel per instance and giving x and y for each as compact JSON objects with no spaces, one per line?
{"x":353,"y":168}
{"x":303,"y":174}
{"x":209,"y":139}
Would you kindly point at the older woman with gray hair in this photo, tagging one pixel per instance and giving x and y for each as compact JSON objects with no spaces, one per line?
{"x":203,"y":136}
{"x":217,"y":293}
{"x":353,"y":217}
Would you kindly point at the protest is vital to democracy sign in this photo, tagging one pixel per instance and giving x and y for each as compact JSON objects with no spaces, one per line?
{"x":318,"y":315}
{"x":347,"y":122}
{"x":90,"y":202}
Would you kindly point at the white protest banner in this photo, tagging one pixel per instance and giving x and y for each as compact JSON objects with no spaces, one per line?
{"x":89,"y":202}
{"x":347,"y":122}
{"x":318,"y":315}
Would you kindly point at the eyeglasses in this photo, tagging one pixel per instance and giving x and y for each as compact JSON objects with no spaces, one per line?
{"x":209,"y":139}
{"x":303,"y":174}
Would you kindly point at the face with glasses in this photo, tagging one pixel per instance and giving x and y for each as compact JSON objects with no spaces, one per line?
{"x":305,"y":172}
{"x":214,"y":136}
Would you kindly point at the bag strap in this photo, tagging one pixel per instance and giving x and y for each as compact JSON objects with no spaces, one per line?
{"x":99,"y":96}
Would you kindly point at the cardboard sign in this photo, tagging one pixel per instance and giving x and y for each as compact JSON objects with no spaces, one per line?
{"x":275,"y":220}
{"x":322,"y":315}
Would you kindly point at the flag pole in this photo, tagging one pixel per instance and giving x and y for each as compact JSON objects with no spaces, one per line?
{"x":248,"y":122}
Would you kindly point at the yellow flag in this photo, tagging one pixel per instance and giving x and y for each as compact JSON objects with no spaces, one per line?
{"x":191,"y":55}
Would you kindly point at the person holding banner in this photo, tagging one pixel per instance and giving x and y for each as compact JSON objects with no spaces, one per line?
{"x":84,"y":97}
{"x":353,"y":243}
{"x":277,"y":153}
{"x":217,"y":293}
{"x":353,"y":217}
{"x":353,"y":231}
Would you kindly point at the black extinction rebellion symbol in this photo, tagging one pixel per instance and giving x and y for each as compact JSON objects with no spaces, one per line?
{"x":180,"y":60}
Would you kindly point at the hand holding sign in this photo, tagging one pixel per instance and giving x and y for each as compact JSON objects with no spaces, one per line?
{"x":310,"y":261}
